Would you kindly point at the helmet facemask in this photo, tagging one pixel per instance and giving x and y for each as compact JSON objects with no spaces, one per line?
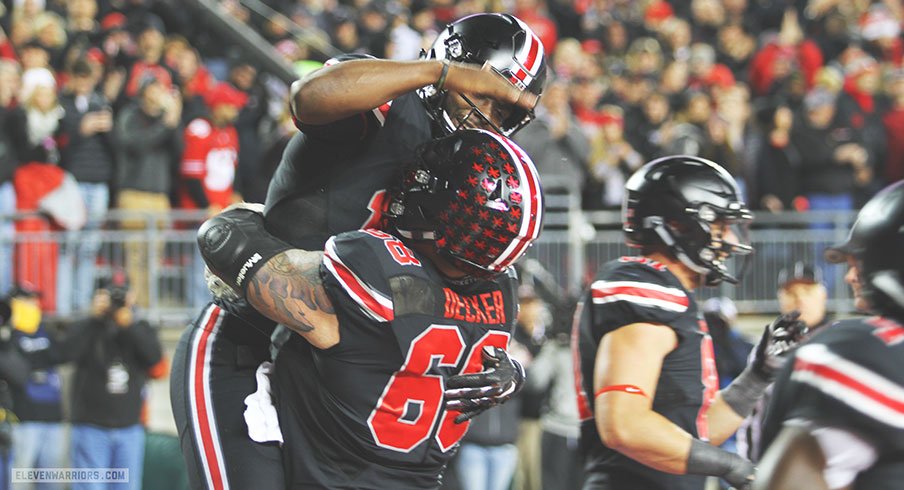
{"x":706,"y":239}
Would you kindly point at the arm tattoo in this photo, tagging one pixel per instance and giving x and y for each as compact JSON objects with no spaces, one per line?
{"x":288,"y":289}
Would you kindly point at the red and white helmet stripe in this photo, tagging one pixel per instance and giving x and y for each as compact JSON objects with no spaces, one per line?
{"x":532,"y":201}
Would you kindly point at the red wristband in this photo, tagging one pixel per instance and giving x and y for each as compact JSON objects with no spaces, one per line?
{"x":634,"y":390}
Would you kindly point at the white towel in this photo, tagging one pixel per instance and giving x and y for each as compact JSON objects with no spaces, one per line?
{"x":260,"y":414}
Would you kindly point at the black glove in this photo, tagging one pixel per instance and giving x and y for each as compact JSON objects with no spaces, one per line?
{"x":779,"y":338}
{"x":472,"y":394}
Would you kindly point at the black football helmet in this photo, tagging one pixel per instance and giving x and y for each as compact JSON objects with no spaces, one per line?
{"x":675,"y":201}
{"x":876,"y":241}
{"x":476,"y":195}
{"x":503,"y":41}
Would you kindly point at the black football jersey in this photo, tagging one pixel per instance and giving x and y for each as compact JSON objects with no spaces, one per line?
{"x":368,"y":412}
{"x":639,"y":290}
{"x":333,"y":178}
{"x":849,"y":376}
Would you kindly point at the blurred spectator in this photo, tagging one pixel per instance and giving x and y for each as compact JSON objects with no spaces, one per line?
{"x":150,"y":40}
{"x":650,"y":129}
{"x":554,"y":140}
{"x":612,"y":160}
{"x":730,"y":348}
{"x":149,"y":140}
{"x":252,"y":119}
{"x":87,"y":152}
{"x":705,"y":73}
{"x":13,"y":376}
{"x":195,"y":81}
{"x":533,"y":325}
{"x":800,"y":288}
{"x":38,"y":97}
{"x":208,"y":169}
{"x":735,"y":49}
{"x":893,"y":121}
{"x":859,"y":107}
{"x":43,"y":187}
{"x":34,"y":55}
{"x":788,"y":54}
{"x":689,"y":135}
{"x":832,"y":157}
{"x":13,"y":139}
{"x":82,"y":27}
{"x":50,"y":32}
{"x":552,"y":370}
{"x":778,"y":163}
{"x":39,"y":435}
{"x":706,"y":17}
{"x":676,"y":33}
{"x":881,"y":31}
{"x":113,"y":352}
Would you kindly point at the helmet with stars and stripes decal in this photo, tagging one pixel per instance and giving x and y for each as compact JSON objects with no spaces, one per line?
{"x":476,"y":195}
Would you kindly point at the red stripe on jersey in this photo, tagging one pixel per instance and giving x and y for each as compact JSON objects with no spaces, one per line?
{"x":603,"y":292}
{"x":359,"y":290}
{"x":206,"y":426}
{"x":831,"y":374}
{"x":585,"y":412}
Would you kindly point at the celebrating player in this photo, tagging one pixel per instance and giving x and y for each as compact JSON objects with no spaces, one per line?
{"x":836,"y":415}
{"x":642,"y":348}
{"x":390,"y":316}
{"x":359,"y":119}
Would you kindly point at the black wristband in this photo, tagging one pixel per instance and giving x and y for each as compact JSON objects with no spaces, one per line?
{"x":235,"y":245}
{"x":706,"y":459}
{"x":441,"y":82}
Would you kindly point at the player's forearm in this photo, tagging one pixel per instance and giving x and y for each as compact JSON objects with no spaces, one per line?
{"x":288,"y":290}
{"x":351,"y":87}
{"x":723,"y":421}
{"x":645,"y":436}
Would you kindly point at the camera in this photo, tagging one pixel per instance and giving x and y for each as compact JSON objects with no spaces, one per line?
{"x":117,"y":297}
{"x":117,"y":286}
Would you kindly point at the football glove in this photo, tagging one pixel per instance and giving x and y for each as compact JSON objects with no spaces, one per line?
{"x":779,"y":338}
{"x":472,"y":394}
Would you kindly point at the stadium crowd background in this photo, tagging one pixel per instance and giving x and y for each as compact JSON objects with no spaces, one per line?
{"x":801,"y":101}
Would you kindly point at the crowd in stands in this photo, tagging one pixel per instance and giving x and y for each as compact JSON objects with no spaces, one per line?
{"x":137,"y":106}
{"x":149,"y":111}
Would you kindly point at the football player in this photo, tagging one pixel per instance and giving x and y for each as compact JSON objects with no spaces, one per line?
{"x":391,"y":316}
{"x":642,"y":349}
{"x":843,"y":391}
{"x":358,"y":120}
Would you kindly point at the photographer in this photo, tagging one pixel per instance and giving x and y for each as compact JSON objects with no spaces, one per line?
{"x":113,"y":353}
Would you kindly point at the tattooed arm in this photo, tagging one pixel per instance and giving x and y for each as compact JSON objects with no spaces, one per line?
{"x":287,"y":289}
{"x":281,"y":282}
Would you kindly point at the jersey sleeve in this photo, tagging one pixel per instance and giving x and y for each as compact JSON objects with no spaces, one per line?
{"x":197,"y":134}
{"x":354,"y":271}
{"x":850,"y":377}
{"x":351,"y":129}
{"x":634,"y":293}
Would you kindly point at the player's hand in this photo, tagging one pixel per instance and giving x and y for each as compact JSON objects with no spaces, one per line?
{"x":485,"y":81}
{"x":472,"y":394}
{"x":779,"y":338}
